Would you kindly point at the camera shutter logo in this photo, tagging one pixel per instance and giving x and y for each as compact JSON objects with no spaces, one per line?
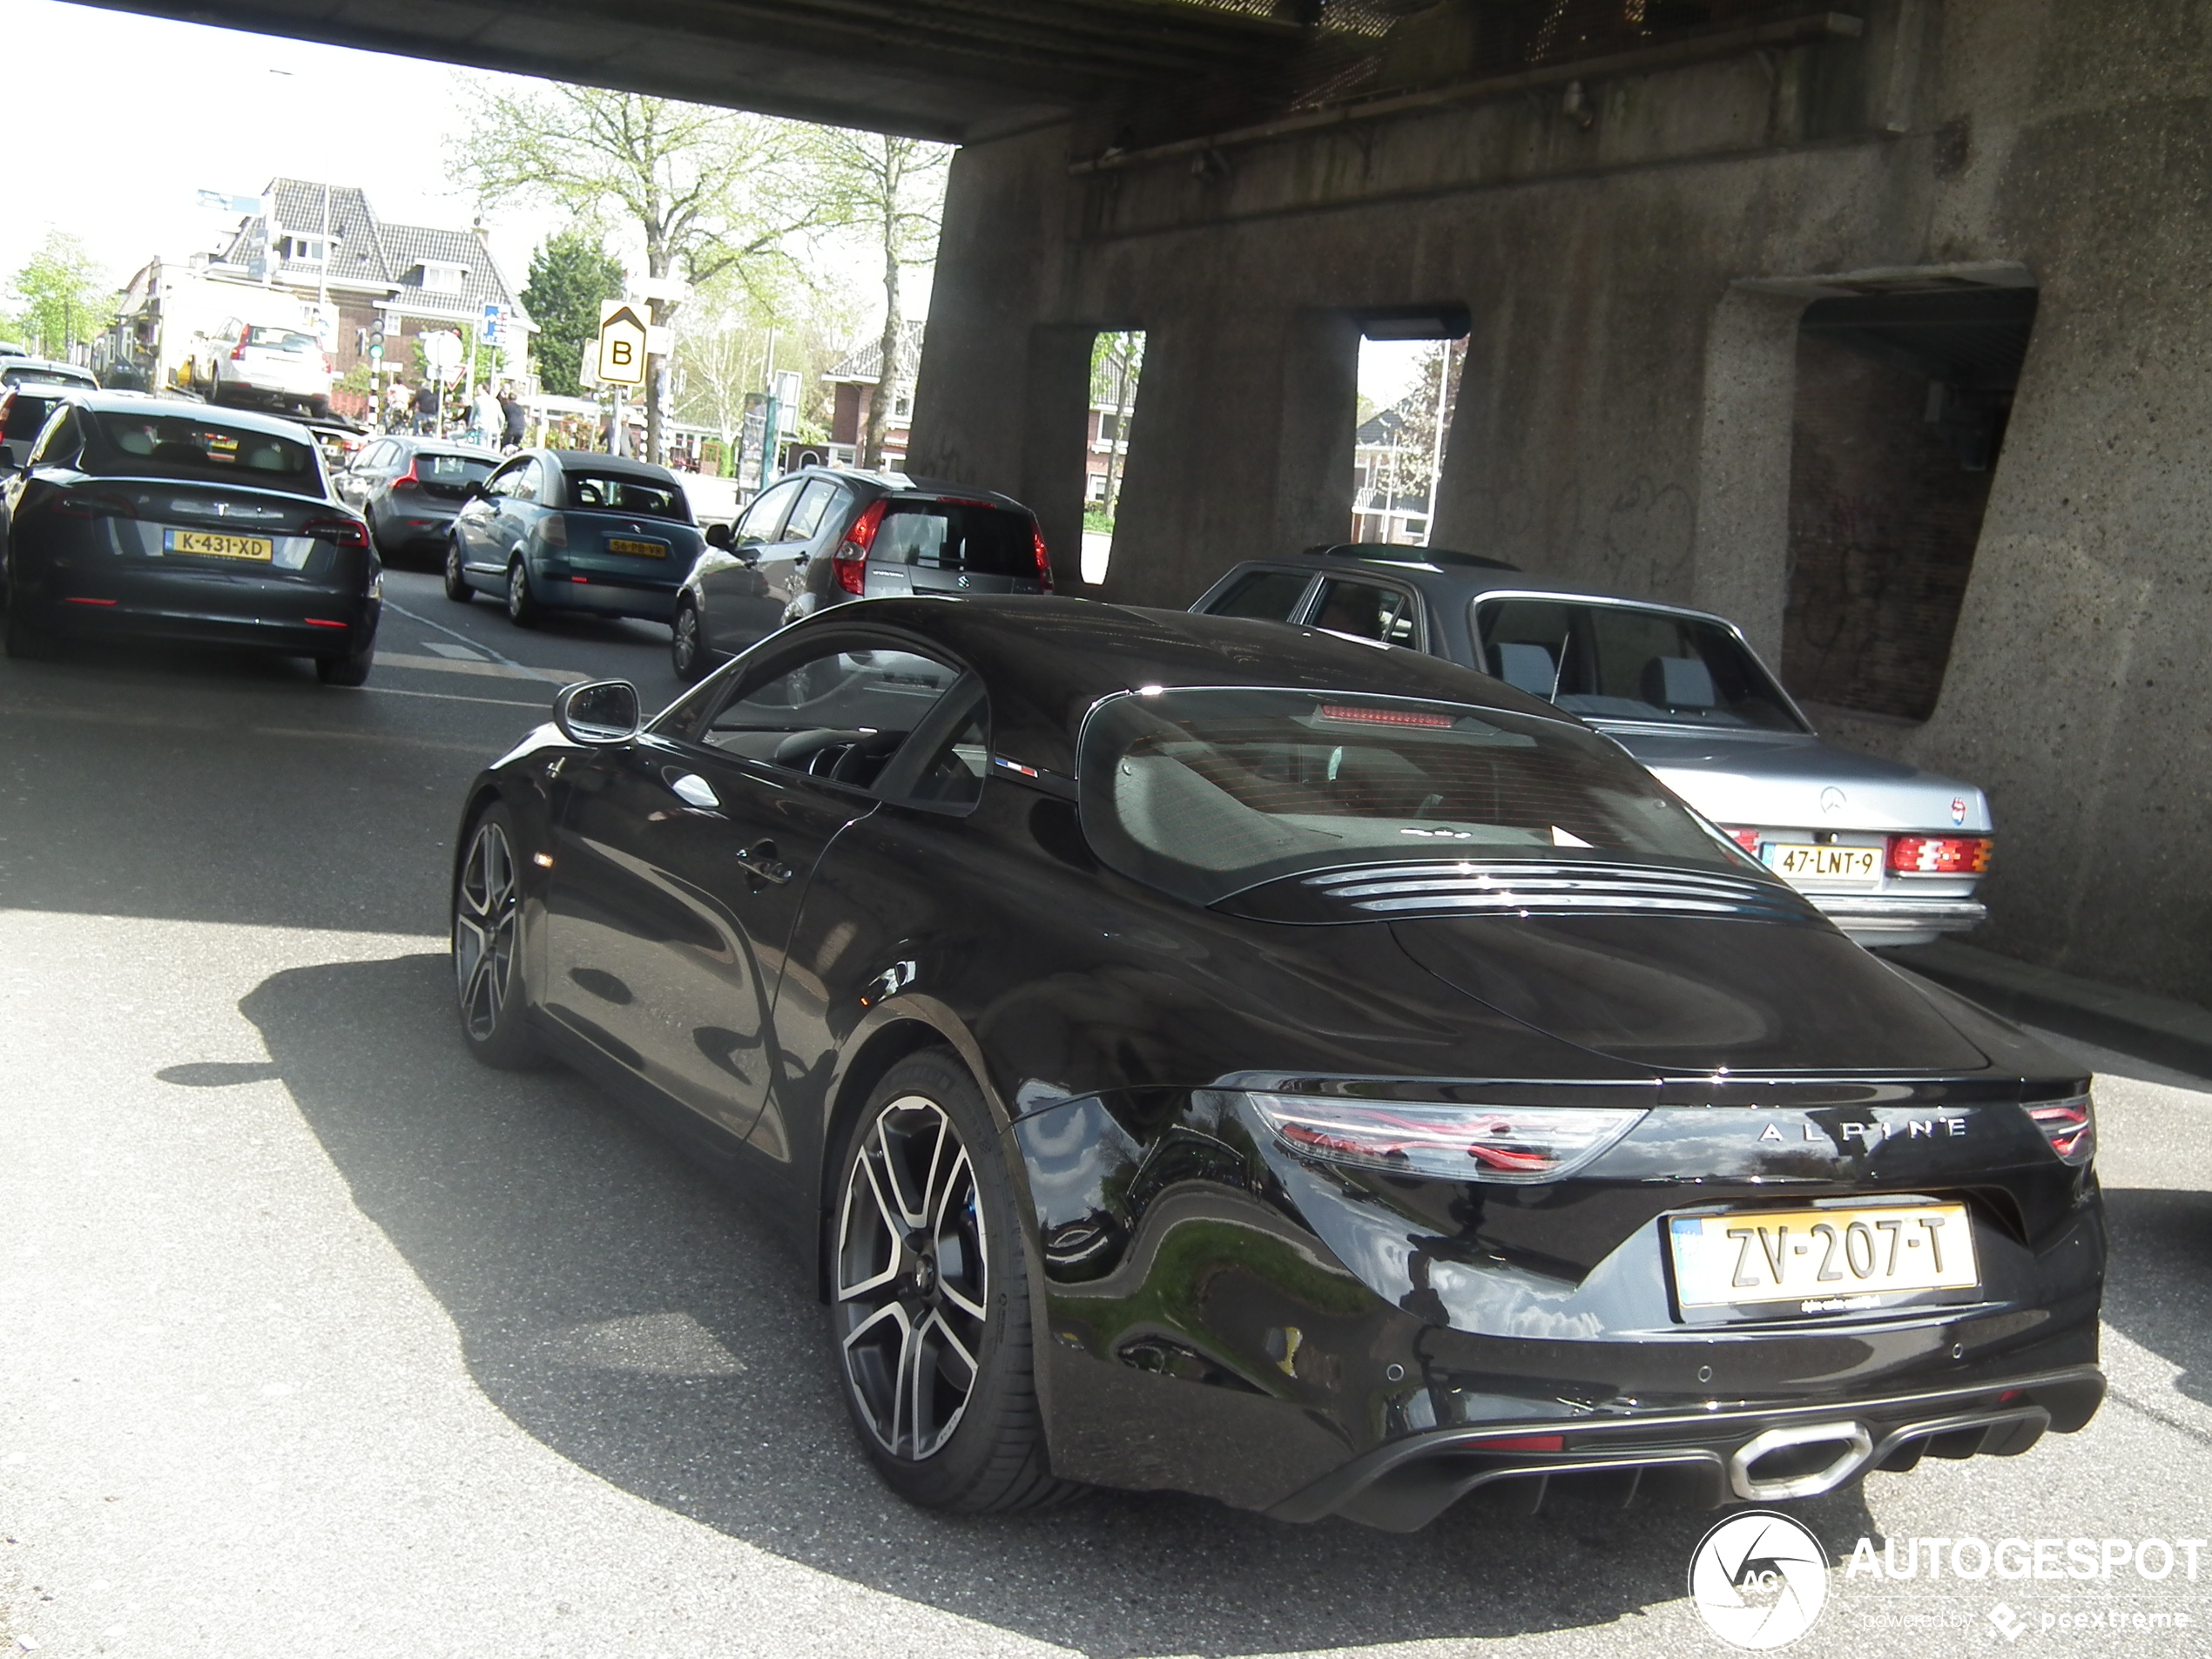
{"x":1759,"y":1580}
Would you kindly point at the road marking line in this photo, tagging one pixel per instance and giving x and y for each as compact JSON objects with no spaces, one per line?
{"x":496,"y":670}
{"x":459,"y":653}
{"x":474,"y":644}
{"x":455,"y":696}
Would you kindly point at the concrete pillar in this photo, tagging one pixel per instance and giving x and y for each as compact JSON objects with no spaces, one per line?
{"x":1740,"y":558}
{"x":1056,"y":430}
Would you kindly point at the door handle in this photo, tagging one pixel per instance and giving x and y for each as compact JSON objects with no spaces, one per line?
{"x":760,"y":862}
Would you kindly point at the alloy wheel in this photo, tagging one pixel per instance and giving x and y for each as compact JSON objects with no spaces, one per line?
{"x":913,"y":1288}
{"x":487,"y":904}
{"x":683,"y":643}
{"x":518,"y":592}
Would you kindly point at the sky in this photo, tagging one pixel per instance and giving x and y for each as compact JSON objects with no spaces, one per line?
{"x":155,"y":111}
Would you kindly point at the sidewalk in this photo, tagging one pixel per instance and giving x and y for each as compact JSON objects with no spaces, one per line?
{"x":2154,"y":1027}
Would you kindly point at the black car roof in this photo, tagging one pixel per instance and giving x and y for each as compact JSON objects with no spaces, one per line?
{"x":1045,"y":661}
{"x":610,"y":466}
{"x":218,"y":415}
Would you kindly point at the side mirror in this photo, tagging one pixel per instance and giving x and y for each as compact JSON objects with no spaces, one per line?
{"x":718,"y":535}
{"x":597,"y":713}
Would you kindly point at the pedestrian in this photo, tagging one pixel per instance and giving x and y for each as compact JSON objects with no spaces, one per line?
{"x":426,"y":409}
{"x":485,"y":418}
{"x":513,"y":423}
{"x":397,"y":401}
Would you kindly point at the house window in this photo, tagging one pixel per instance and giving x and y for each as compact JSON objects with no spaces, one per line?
{"x":302,"y":250}
{"x":902,"y":407}
{"x":442,"y":278}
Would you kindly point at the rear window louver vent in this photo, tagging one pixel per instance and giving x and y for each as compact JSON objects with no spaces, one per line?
{"x":1522,"y":888}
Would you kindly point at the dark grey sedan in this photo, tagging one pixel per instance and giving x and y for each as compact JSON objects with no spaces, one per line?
{"x":821,"y":537}
{"x":410,"y":490}
{"x":1890,"y":853}
{"x":574,"y":531}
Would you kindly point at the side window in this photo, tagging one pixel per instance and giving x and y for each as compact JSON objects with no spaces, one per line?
{"x":765,"y":516}
{"x":842,"y":709}
{"x":530,"y":482}
{"x":382,"y":453}
{"x":1269,"y":596}
{"x":806,"y":516}
{"x":1368,"y":611}
{"x":502,"y":481}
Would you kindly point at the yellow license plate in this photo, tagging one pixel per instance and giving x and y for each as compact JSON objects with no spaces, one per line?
{"x":210,"y":545}
{"x":1821,"y":1261}
{"x":1796,"y":862}
{"x":637,"y":549}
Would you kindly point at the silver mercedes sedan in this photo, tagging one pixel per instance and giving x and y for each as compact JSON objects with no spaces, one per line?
{"x":1892,"y":854}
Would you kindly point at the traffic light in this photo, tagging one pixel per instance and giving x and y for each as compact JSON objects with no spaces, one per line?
{"x":376,"y":341}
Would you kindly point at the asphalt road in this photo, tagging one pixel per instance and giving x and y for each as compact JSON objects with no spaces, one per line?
{"x":316,"y":1338}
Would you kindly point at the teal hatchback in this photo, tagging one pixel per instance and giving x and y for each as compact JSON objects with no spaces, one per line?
{"x":574,"y":531}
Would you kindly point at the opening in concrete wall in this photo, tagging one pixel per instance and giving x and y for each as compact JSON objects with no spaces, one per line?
{"x":1901,"y":406}
{"x":1116,"y":364}
{"x":1409,"y":385}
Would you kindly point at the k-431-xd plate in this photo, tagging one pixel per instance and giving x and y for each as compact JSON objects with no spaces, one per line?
{"x":213,"y":544}
{"x":637,"y":549}
{"x":1842,"y":1260}
{"x":1801,"y":861}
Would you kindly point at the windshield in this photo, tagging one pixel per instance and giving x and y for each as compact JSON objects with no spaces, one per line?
{"x":184,"y":446}
{"x":289,"y":339}
{"x":46,"y":377}
{"x":1204,"y":793}
{"x":21,"y":415}
{"x":1610,"y":662}
{"x":452,"y":469}
{"x":957,"y":535}
{"x":606,"y":492}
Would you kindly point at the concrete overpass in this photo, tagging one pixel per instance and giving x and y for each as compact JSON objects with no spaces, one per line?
{"x":1879,"y":327}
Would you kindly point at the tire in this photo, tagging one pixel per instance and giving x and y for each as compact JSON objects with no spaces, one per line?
{"x":457,"y":588}
{"x":522,"y":609}
{"x":936,"y":1309}
{"x":687,"y":651}
{"x":351,"y":669}
{"x":487,"y":945}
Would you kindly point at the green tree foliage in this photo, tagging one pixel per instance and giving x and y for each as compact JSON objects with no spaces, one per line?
{"x":61,"y":297}
{"x":713,"y":193}
{"x":569,"y":276}
{"x":890,"y":191}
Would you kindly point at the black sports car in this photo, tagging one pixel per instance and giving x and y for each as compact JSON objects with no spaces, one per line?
{"x":1197,"y":1054}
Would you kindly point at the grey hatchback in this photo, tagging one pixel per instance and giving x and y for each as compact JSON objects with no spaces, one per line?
{"x":822,"y":536}
{"x":1890,"y":853}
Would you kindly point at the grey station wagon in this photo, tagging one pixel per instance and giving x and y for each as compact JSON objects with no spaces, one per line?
{"x":1890,"y":853}
{"x":825,"y":535}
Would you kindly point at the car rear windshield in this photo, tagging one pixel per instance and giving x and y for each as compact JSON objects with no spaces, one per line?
{"x":1607,"y":662}
{"x":185,"y":446}
{"x":45,"y":377}
{"x":612,"y":493}
{"x":452,"y":469}
{"x":280,"y":339}
{"x":1204,"y":793}
{"x":970,"y":538}
{"x":21,"y":415}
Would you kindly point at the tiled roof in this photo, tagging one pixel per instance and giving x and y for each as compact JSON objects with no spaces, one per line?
{"x":371,"y":253}
{"x":865,"y":365}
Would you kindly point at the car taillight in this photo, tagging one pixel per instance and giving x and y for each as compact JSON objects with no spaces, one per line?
{"x":2070,"y":1126}
{"x":553,"y":530}
{"x":1940,"y":854}
{"x":346,"y":532}
{"x":92,"y":504}
{"x":239,"y":351}
{"x":408,"y":480}
{"x":1044,"y":557}
{"x":1511,"y":1143}
{"x":1746,"y":839}
{"x":850,"y":562}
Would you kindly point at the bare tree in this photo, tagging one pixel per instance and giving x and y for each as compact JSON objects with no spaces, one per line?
{"x":715,"y":194}
{"x":892,"y":191}
{"x":1117,"y":360}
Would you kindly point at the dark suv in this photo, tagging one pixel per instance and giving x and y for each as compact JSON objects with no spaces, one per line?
{"x":822,"y":537}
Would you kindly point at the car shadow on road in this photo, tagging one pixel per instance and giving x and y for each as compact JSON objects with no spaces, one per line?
{"x":2158,"y":1291}
{"x":615,"y":1301}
